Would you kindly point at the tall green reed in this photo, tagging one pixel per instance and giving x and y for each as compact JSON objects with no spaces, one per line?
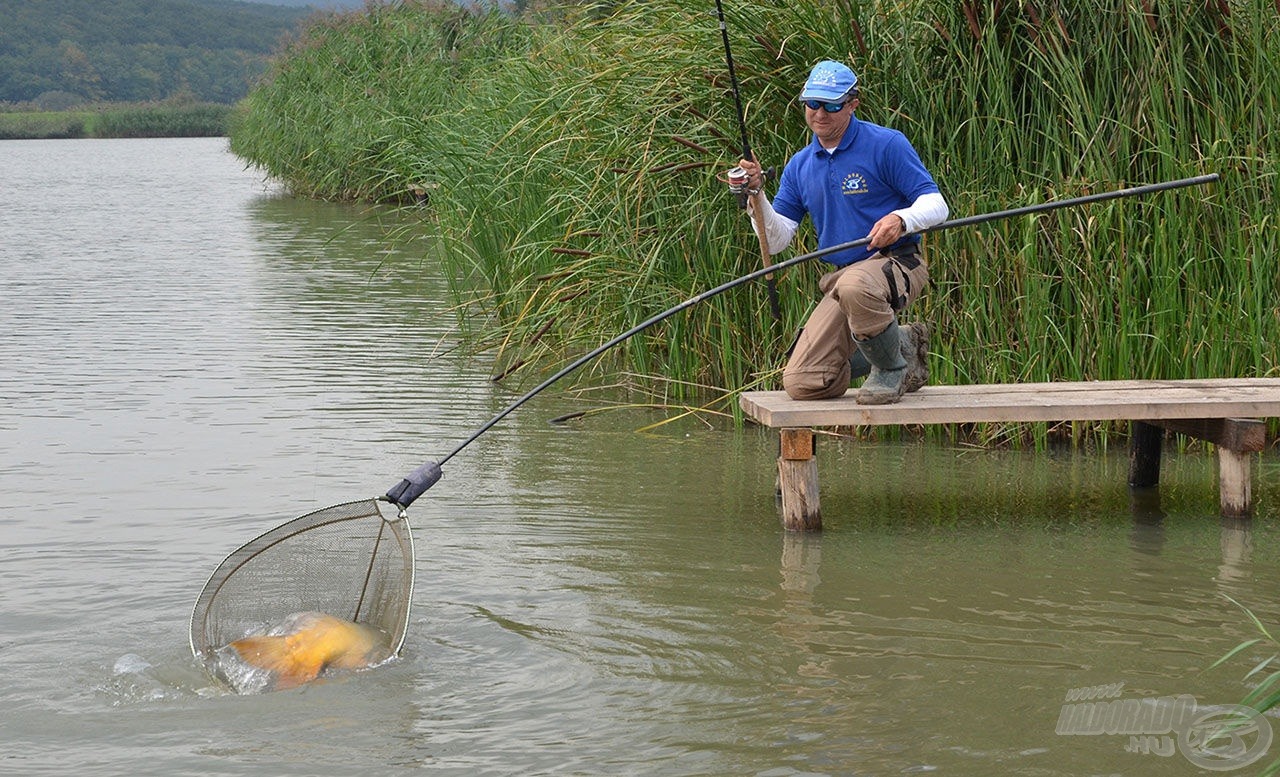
{"x":331,"y":117}
{"x":572,"y":159}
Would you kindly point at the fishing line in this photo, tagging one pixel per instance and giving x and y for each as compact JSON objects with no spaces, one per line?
{"x":424,"y":477}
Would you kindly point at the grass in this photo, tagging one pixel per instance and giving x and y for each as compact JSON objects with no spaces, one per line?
{"x":572,"y":158}
{"x":1264,"y":677}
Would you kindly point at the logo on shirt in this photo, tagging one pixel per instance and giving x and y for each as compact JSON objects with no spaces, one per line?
{"x":853,"y":183}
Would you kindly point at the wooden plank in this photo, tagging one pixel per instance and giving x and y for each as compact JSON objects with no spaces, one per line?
{"x":993,"y":403}
{"x":1237,"y":434}
{"x":1143,"y":385}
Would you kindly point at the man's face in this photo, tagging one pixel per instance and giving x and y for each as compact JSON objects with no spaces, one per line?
{"x":830,"y":127}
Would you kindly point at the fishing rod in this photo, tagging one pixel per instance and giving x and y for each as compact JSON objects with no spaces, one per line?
{"x":733,"y":79}
{"x":424,"y":477}
{"x":757,"y":215}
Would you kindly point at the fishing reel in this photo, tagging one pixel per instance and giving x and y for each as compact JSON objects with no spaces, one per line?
{"x":739,"y":183}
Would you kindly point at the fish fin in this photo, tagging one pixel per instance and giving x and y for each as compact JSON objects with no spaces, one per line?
{"x":276,"y":655}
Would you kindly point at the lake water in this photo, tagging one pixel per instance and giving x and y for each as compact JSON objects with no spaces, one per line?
{"x":190,"y":358}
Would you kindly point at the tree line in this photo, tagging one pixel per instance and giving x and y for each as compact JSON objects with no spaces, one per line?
{"x":56,"y":54}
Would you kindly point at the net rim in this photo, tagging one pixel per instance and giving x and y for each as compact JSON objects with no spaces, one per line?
{"x":233,"y":561}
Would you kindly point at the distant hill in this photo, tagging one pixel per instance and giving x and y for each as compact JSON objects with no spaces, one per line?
{"x":58,"y":53}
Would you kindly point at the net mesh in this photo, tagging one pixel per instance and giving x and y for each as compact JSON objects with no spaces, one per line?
{"x":348,"y":560}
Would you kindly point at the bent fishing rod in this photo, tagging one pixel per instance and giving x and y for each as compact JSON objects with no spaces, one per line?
{"x":757,"y":215}
{"x":424,"y":477}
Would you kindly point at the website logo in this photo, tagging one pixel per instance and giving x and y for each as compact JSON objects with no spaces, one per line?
{"x":1218,"y":737}
{"x":854,"y":183}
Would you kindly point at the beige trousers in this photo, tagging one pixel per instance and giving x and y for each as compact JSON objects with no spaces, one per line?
{"x":859,"y":301}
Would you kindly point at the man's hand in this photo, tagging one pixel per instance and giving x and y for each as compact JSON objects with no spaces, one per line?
{"x":886,"y":232}
{"x":755,"y":176}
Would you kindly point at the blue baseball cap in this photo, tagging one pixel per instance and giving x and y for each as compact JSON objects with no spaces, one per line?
{"x":829,"y":81}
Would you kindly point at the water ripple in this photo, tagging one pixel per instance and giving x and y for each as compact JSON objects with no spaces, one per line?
{"x":191,"y":358}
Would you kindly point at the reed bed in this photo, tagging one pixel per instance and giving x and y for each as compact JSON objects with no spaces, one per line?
{"x":118,"y":120}
{"x":30,"y":125}
{"x":570,"y":160}
{"x":162,"y":120}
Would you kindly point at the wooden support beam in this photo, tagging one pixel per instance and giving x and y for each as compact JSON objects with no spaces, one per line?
{"x":1237,"y":434}
{"x":798,"y":480}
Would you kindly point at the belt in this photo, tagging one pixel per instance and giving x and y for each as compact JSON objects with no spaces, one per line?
{"x":906,"y":249}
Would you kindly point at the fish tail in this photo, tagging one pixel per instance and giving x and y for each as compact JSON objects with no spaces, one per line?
{"x":276,"y":655}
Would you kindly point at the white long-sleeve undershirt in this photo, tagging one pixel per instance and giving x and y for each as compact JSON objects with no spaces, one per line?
{"x":928,"y":210}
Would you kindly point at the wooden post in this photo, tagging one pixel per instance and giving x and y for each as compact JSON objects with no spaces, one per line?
{"x":1237,"y":439}
{"x":1234,"y":493}
{"x":798,"y":479}
{"x":1144,"y":454}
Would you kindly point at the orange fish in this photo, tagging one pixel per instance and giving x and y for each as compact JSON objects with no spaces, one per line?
{"x":310,"y":642}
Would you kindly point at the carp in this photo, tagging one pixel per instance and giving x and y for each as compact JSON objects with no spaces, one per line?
{"x":307,"y":643}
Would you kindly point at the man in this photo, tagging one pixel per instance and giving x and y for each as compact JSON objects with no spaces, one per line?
{"x":855,"y":180}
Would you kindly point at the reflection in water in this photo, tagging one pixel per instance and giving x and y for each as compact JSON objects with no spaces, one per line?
{"x":1148,"y":533}
{"x":1237,"y":550}
{"x":801,"y":559}
{"x":1148,"y":536}
{"x":798,"y":624}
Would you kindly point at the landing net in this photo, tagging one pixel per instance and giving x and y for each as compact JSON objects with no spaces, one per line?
{"x":348,"y":560}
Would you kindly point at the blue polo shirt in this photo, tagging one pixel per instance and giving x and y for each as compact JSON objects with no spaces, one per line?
{"x":873,"y":171}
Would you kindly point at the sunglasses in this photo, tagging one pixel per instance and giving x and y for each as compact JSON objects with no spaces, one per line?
{"x":832,"y":107}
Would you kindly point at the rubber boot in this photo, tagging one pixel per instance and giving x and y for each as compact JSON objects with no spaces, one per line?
{"x":884,"y":385}
{"x":859,"y":367}
{"x":915,"y":349}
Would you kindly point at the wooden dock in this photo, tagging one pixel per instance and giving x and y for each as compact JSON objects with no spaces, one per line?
{"x":1227,"y":412}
